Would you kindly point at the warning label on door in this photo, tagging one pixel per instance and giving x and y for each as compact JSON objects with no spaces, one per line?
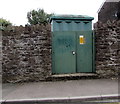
{"x":81,"y":39}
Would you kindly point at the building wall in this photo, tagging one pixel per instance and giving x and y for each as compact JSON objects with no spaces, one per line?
{"x":108,"y":11}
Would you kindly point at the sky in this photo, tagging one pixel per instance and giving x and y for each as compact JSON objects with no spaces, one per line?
{"x":16,"y":10}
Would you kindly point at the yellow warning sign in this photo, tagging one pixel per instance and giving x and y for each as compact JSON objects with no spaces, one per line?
{"x":81,"y":39}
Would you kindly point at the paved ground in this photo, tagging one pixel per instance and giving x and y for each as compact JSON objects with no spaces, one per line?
{"x":59,"y":90}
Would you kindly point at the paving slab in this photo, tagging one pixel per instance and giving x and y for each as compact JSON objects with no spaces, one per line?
{"x":73,"y":89}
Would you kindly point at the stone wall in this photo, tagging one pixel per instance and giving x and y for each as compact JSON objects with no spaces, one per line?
{"x":26,"y":53}
{"x":107,"y":48}
{"x":0,"y":56}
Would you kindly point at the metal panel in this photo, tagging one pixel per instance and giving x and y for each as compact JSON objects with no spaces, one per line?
{"x":84,"y":52}
{"x":93,"y":46}
{"x":64,"y":46}
{"x":71,"y":25}
{"x":71,"y":17}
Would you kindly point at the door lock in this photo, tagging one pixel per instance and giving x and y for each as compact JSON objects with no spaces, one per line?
{"x":73,"y":52}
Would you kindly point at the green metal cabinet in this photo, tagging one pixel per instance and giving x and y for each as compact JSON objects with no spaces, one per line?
{"x":72,"y":44}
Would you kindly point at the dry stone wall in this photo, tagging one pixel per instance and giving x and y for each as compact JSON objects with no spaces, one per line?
{"x":107,"y":48}
{"x":26,"y":53}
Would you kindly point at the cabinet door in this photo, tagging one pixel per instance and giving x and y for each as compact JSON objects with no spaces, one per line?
{"x":84,"y":51}
{"x":63,"y":52}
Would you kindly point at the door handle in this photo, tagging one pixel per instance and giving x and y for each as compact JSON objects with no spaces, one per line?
{"x":73,"y":52}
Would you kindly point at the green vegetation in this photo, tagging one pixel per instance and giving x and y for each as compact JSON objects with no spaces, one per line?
{"x":4,"y":23}
{"x":38,"y":17}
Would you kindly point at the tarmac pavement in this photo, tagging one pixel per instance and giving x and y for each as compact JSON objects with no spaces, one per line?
{"x":60,"y":90}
